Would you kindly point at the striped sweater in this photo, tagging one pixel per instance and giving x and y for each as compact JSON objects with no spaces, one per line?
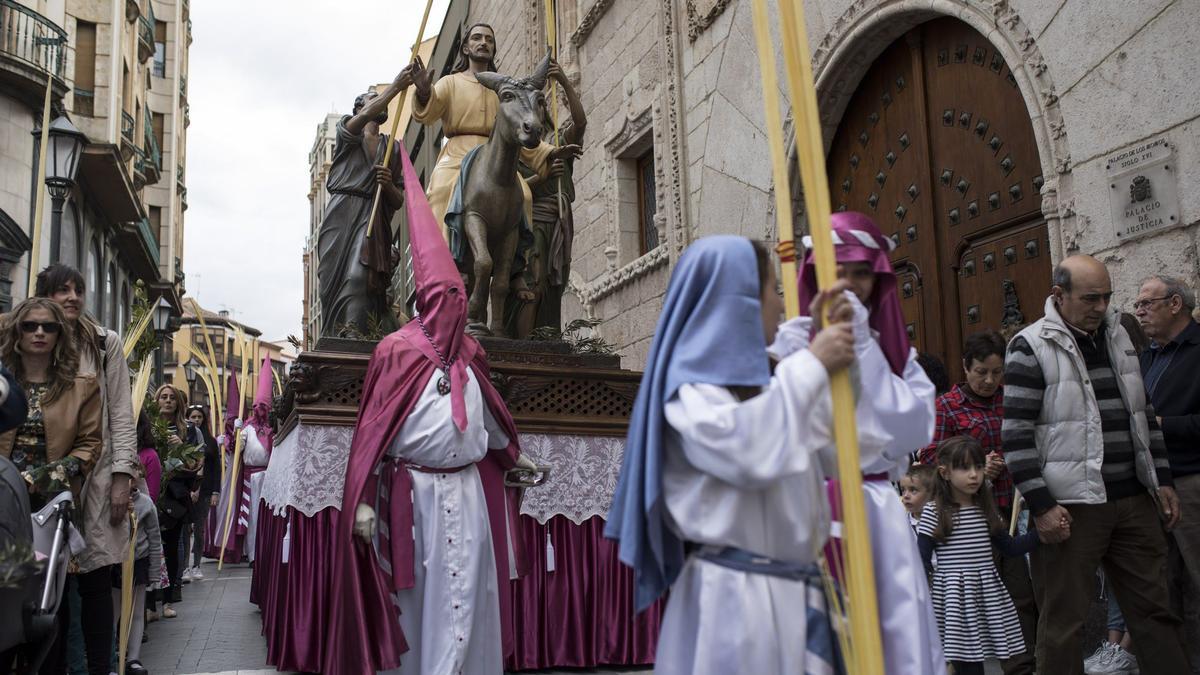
{"x":1023,"y":408}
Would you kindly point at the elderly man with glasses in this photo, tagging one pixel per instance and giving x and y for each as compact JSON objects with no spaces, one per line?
{"x":1164,"y":308}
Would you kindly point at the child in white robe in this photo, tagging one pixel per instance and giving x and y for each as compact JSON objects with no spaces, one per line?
{"x":894,"y":414}
{"x":721,"y":493}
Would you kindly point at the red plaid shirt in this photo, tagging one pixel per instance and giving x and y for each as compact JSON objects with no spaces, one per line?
{"x":960,"y":415}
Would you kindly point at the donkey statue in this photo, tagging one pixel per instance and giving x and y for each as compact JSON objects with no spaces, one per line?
{"x":493,"y":197}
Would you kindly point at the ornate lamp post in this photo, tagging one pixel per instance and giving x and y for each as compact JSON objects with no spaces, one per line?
{"x":62,"y":161}
{"x":160,"y":321}
{"x":189,"y":372}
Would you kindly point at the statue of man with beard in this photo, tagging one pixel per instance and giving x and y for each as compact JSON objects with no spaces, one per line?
{"x":353,"y":271}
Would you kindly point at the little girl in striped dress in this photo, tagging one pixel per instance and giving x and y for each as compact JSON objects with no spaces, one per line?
{"x":975,"y":614}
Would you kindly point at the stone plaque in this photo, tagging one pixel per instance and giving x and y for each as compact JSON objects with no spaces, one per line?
{"x":1143,"y":190}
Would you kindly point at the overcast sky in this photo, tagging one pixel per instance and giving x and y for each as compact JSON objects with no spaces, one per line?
{"x":263,"y":74}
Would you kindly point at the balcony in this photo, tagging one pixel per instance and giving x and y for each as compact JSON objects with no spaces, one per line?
{"x":139,"y":168}
{"x":187,"y":115}
{"x":153,"y":153}
{"x":146,"y":235}
{"x":189,"y":31}
{"x":145,"y":39}
{"x":31,"y":47}
{"x":182,"y":89}
{"x":127,"y":126}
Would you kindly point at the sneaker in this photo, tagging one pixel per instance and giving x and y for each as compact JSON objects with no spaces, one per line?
{"x":151,"y":617}
{"x":1110,"y":659}
{"x":169,"y":613}
{"x":135,"y":667}
{"x":1124,"y":660}
{"x":197,"y":575}
{"x":186,"y":576}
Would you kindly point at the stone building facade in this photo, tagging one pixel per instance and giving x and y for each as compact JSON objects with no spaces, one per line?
{"x":119,"y":71}
{"x":676,"y":143}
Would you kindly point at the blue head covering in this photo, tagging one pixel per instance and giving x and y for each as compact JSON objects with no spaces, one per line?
{"x":709,"y":332}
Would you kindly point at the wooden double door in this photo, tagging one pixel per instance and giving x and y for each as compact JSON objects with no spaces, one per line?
{"x":937,"y":147}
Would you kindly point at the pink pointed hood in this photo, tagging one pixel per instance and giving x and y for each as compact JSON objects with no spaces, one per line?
{"x":260,"y":415}
{"x":441,"y":300}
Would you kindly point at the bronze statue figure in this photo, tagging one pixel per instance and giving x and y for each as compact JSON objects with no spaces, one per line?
{"x":354,"y":271}
{"x":549,"y":261}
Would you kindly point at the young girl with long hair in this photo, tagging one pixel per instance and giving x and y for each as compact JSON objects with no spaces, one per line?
{"x":975,"y":614}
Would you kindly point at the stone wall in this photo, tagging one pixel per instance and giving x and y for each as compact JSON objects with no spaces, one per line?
{"x":16,"y":174}
{"x":681,"y":78}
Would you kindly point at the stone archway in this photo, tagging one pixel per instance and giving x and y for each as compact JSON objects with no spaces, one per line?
{"x":867,"y":27}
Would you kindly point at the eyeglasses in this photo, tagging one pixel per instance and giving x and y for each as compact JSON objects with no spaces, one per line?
{"x":1145,"y":304}
{"x":48,"y":327}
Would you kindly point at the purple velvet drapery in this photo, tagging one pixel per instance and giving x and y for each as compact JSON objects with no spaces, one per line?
{"x":579,"y":615}
{"x":293,"y":597}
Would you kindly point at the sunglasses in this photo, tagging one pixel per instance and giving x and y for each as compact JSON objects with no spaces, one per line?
{"x":48,"y":327}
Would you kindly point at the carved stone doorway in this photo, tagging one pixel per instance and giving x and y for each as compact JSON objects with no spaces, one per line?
{"x":936,"y":145}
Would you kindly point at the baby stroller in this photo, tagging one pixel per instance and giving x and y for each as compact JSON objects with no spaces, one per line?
{"x":36,"y":588}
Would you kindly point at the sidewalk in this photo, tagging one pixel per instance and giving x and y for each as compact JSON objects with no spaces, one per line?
{"x":217,"y":629}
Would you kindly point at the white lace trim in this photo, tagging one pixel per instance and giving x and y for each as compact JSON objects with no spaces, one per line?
{"x":583,"y":476}
{"x":308,"y":472}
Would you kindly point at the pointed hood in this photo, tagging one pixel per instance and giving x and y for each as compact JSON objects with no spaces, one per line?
{"x":264,"y":394}
{"x":441,"y":298}
{"x":231,"y":407}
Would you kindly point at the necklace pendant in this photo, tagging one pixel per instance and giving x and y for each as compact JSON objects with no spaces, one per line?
{"x":443,"y":386}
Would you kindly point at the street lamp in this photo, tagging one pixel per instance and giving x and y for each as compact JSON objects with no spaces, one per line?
{"x":160,"y":321}
{"x":62,"y":161}
{"x":189,"y":372}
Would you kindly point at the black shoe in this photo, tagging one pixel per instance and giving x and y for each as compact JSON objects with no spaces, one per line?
{"x":135,"y":668}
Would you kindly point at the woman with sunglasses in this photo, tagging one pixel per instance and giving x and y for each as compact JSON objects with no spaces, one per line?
{"x":58,"y":444}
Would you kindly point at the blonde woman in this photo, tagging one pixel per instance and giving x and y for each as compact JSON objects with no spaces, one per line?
{"x":57,"y":446}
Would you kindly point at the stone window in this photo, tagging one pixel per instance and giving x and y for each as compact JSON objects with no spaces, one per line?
{"x":647,"y":205}
{"x":95,"y":283}
{"x":110,"y":295}
{"x":160,"y":49}
{"x":633,"y":189}
{"x":85,"y":69}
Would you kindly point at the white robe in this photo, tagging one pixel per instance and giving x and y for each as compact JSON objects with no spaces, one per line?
{"x":745,"y":474}
{"x":451,"y":616}
{"x":253,"y":454}
{"x":895,"y":416}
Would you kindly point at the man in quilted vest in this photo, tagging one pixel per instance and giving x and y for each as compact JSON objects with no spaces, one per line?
{"x":1084,"y":449}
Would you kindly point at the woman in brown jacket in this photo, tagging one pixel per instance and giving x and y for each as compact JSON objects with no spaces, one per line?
{"x":58,"y":445}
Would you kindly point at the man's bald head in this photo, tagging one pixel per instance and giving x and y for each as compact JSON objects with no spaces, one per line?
{"x":1082,"y":290}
